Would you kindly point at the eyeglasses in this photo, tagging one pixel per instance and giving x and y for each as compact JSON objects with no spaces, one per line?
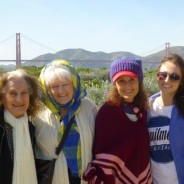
{"x":163,"y":75}
{"x":57,"y":87}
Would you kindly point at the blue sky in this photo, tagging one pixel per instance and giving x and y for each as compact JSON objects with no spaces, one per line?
{"x":138,"y":26}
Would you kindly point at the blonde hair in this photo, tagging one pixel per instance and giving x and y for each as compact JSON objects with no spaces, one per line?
{"x":58,"y":70}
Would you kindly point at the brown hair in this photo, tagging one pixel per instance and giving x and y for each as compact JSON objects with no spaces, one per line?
{"x":34,"y":102}
{"x":140,"y":100}
{"x":179,"y":96}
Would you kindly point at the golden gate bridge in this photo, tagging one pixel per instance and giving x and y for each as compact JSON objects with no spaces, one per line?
{"x":19,"y":49}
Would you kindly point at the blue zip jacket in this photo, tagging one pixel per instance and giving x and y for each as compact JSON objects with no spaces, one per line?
{"x":176,"y":137}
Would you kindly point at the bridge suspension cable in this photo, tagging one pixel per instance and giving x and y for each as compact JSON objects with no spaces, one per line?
{"x":1,"y":42}
{"x":7,"y":48}
{"x":157,"y":49}
{"x":32,"y":49}
{"x":38,"y":43}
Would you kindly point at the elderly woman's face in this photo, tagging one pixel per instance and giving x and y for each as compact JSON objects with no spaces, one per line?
{"x":61,"y":90}
{"x":16,"y":97}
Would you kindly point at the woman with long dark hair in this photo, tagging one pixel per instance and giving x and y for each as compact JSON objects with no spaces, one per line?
{"x":166,"y":123}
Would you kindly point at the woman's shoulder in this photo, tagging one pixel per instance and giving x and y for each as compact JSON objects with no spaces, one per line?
{"x":108,"y":105}
{"x":152,"y":99}
{"x":87,"y":103}
{"x":44,"y":116}
{"x":43,"y":113}
{"x":154,"y":96}
{"x":109,"y":108}
{"x":88,"y":108}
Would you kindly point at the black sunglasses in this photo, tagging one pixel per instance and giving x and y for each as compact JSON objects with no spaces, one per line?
{"x":163,"y":75}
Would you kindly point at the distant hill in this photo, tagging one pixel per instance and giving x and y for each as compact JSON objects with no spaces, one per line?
{"x":81,"y":58}
{"x":81,"y":54}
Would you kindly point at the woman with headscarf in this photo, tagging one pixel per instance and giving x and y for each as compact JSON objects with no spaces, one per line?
{"x":63,"y":93}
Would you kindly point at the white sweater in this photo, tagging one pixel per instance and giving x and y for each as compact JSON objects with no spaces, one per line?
{"x":47,"y":125}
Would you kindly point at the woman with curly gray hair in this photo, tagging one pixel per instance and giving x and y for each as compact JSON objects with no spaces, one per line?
{"x":19,"y":102}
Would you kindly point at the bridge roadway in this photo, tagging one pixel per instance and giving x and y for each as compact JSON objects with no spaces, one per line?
{"x":78,"y":63}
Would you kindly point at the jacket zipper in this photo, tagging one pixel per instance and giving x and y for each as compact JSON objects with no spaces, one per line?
{"x":2,"y":138}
